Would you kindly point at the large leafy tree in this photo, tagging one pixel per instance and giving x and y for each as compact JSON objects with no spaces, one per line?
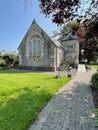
{"x":66,"y":10}
{"x":91,"y":40}
{"x":61,"y":10}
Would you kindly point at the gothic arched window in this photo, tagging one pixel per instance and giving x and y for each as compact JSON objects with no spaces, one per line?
{"x":35,"y":47}
{"x":39,"y":47}
{"x":30,"y":48}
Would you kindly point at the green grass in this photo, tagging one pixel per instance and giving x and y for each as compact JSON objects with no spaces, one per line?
{"x":23,"y":95}
{"x":93,"y":66}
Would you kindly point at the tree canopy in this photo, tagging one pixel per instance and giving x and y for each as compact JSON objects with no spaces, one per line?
{"x":66,"y":10}
{"x":69,"y":27}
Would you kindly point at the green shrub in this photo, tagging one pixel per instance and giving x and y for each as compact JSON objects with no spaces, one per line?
{"x":94,"y":81}
{"x":96,"y":119}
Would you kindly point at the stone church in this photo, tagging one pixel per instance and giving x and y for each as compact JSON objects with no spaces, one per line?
{"x":39,"y":51}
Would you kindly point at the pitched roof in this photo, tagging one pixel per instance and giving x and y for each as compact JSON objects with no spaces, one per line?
{"x":55,"y":42}
{"x":69,"y":36}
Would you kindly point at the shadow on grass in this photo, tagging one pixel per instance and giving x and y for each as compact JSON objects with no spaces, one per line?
{"x":18,"y":113}
{"x":22,"y":71}
{"x":12,"y":71}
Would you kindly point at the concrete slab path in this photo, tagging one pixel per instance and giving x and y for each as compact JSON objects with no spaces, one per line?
{"x":71,"y":108}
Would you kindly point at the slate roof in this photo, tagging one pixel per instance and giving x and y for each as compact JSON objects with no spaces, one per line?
{"x":69,"y":36}
{"x":56,"y":42}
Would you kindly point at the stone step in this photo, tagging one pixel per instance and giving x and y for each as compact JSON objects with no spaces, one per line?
{"x":81,"y":68}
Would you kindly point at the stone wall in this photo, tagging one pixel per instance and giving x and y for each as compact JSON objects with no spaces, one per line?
{"x":71,"y":54}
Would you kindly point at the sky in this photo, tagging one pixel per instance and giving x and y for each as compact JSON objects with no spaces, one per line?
{"x":16,"y":17}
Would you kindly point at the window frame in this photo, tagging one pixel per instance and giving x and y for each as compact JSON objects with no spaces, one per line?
{"x":35,"y":42}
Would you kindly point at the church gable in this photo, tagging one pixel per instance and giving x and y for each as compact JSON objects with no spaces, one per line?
{"x":37,"y":49}
{"x":33,"y":41}
{"x":35,"y":31}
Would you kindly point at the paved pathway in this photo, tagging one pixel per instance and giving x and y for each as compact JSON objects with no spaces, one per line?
{"x":71,"y":108}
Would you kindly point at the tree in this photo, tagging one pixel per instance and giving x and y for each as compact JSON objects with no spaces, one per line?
{"x":69,"y":27}
{"x":90,"y":39}
{"x":10,"y":59}
{"x":61,"y":10}
{"x":66,"y":10}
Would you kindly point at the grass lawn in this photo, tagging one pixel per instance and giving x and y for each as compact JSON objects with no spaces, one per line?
{"x":93,"y":66}
{"x":23,"y":95}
